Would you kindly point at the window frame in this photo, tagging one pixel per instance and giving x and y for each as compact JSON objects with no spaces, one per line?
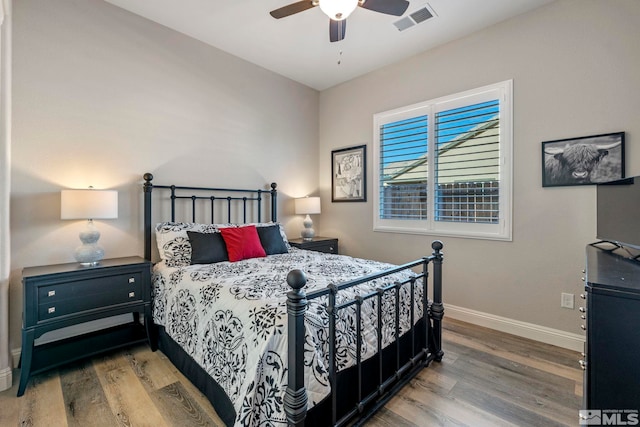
{"x":500,"y":231}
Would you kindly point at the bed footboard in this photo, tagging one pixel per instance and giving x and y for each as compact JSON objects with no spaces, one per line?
{"x":366,"y":402}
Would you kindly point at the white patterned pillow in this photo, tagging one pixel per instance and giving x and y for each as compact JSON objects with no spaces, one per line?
{"x":173,"y":241}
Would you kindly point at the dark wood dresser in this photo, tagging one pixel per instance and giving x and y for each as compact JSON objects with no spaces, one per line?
{"x":612,"y":323}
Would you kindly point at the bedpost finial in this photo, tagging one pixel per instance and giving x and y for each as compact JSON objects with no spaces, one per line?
{"x":437,"y":245}
{"x":273,"y":185}
{"x":296,"y":279}
{"x":147,"y":186}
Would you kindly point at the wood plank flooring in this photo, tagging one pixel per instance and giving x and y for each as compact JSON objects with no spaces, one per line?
{"x":487,"y":378}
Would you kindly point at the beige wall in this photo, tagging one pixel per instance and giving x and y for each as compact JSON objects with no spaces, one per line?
{"x":6,"y":365}
{"x":102,"y":96}
{"x":575,"y":67}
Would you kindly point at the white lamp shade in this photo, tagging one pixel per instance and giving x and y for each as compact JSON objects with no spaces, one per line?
{"x":88,"y":204}
{"x":307,"y":205}
{"x":338,"y":9}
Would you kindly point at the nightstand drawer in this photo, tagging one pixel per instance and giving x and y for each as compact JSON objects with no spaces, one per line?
{"x":86,"y":288}
{"x":83,"y":295}
{"x":327,"y":245}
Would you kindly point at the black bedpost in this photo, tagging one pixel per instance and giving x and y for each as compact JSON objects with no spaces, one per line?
{"x":295,"y":399}
{"x":274,"y":203}
{"x":148,"y":186}
{"x":437,"y":309}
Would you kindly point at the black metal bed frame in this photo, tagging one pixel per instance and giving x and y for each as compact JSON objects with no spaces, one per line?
{"x":367,"y":402}
{"x":295,"y":401}
{"x":176,"y":194}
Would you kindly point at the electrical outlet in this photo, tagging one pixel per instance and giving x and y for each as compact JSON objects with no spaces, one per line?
{"x":566,"y":300}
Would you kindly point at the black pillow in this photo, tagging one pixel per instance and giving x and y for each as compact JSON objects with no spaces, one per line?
{"x":207,"y":248}
{"x":272,"y":240}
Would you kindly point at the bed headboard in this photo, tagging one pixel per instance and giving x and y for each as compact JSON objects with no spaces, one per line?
{"x":206,"y":205}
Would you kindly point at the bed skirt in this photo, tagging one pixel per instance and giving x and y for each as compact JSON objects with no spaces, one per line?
{"x":198,"y":376}
{"x":320,"y":414}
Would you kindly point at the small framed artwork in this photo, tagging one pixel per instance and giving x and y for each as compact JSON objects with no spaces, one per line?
{"x":583,"y":161}
{"x":349,"y":174}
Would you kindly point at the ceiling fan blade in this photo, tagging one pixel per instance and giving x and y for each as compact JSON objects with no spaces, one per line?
{"x":293,"y":8}
{"x":389,"y":7}
{"x":337,"y":30}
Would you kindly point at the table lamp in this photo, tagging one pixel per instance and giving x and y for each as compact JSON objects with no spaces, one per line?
{"x":307,"y":206}
{"x":89,"y":204}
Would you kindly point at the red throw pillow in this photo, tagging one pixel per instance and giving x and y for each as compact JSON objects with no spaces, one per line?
{"x":242,"y":243}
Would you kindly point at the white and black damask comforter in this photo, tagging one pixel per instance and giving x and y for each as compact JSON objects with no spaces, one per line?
{"x":231,"y":318}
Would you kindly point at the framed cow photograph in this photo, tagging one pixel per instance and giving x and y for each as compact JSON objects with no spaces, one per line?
{"x":583,"y":161}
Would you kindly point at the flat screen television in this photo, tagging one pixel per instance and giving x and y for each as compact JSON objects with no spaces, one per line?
{"x":618,"y":212}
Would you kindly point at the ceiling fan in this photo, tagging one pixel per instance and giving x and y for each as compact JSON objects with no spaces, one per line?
{"x":339,"y":10}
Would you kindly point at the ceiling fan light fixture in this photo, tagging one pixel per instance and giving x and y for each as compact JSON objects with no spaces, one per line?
{"x":338,"y":9}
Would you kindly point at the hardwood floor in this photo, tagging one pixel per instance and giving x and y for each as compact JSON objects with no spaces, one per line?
{"x":486,"y":378}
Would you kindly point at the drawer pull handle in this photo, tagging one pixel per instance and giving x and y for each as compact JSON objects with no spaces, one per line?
{"x":132,"y":294}
{"x":51,"y":293}
{"x":51,"y":310}
{"x":132,"y":280}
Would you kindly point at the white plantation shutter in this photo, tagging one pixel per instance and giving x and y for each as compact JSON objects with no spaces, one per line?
{"x":403,"y":191}
{"x":465,"y":141}
{"x":468,"y":164}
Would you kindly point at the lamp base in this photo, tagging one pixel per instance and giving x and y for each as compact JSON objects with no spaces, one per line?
{"x":307,"y":239}
{"x":89,"y":253}
{"x":90,"y":264}
{"x":307,"y":232}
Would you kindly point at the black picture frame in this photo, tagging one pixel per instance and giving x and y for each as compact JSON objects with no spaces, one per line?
{"x":585,"y":160}
{"x":349,"y":174}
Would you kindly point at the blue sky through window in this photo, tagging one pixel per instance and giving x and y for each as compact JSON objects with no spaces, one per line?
{"x":406,"y":140}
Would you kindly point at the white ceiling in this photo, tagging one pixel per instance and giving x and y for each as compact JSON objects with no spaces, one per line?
{"x":298,"y":46}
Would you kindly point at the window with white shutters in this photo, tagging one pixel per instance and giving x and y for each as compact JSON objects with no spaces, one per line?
{"x":403,"y":163}
{"x":465,"y":141}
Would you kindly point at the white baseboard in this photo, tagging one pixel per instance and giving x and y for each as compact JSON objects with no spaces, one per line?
{"x":6,"y":378}
{"x":515,"y":327}
{"x":15,"y":355}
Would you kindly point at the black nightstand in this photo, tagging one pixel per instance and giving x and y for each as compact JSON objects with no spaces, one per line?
{"x":319,"y":244}
{"x":62,"y":295}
